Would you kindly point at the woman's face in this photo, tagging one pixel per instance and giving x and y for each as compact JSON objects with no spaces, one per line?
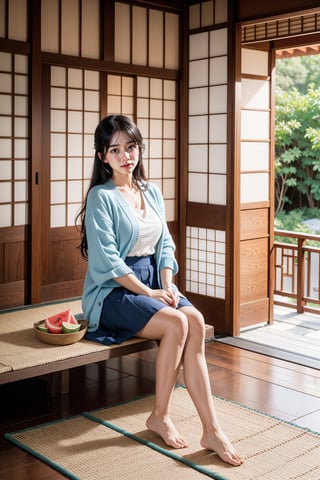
{"x":122,"y":155}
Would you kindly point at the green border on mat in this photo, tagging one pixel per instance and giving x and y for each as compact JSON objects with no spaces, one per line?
{"x":168,"y":453}
{"x":10,"y":437}
{"x":39,"y":305}
{"x":152,"y":445}
{"x":155,"y":447}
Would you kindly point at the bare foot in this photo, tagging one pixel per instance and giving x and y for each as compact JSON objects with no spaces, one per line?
{"x":166,"y":430}
{"x":219,"y":443}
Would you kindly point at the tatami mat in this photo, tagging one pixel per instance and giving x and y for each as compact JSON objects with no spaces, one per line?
{"x":114,"y":443}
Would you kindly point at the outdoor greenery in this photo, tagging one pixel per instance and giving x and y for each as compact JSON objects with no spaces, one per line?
{"x":292,"y":221}
{"x":298,"y":72}
{"x":297,"y":142}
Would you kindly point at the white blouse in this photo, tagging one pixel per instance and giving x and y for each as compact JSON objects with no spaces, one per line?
{"x":150,"y":230}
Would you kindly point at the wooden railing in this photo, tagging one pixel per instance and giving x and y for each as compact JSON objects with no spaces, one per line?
{"x":297,"y":271}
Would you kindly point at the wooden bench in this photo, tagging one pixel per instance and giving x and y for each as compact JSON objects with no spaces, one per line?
{"x":23,"y":356}
{"x":58,"y":381}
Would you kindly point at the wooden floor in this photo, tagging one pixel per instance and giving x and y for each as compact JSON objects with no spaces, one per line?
{"x":282,"y":389}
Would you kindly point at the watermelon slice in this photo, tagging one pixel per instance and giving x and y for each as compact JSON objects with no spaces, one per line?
{"x":68,"y":327}
{"x":54,"y":323}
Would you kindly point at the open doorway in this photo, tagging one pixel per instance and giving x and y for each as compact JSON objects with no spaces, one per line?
{"x":295,"y":330}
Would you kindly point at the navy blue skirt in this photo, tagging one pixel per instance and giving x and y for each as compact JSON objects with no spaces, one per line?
{"x":125,"y":313}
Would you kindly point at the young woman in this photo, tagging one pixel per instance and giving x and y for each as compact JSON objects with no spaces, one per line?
{"x":129,"y":289}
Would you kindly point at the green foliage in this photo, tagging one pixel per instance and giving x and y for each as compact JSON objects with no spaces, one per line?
{"x":298,"y":72}
{"x":297,"y":146}
{"x":293,"y":221}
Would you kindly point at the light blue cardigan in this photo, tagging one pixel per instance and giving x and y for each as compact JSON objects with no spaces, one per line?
{"x":112,"y":230}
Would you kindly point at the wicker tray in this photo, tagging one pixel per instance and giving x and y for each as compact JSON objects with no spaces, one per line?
{"x":60,"y":338}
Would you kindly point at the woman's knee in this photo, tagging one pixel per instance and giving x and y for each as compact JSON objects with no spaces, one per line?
{"x":167,"y":322}
{"x":179,"y":325}
{"x":196,"y":322}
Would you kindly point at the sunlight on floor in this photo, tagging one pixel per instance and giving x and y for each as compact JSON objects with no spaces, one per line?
{"x":292,"y":332}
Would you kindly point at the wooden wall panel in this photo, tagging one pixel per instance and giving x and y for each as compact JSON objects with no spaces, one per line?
{"x":254,"y":223}
{"x":253,"y":313}
{"x":254,"y":266}
{"x":213,"y":310}
{"x":66,"y":268}
{"x":15,"y":261}
{"x":13,"y":267}
{"x":206,"y":215}
{"x":12,"y":295}
{"x":61,"y":290}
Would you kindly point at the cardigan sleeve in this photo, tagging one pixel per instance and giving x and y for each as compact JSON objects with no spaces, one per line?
{"x":107,"y":246}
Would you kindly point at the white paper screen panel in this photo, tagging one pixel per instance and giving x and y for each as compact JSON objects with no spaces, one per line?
{"x":255,"y":125}
{"x":254,"y":62}
{"x":198,"y":46}
{"x":155,"y":35}
{"x":71,"y":28}
{"x":146,"y":37}
{"x":16,"y":12}
{"x":120,"y":95}
{"x":139,"y":36}
{"x":255,"y":128}
{"x":50,"y":26}
{"x":208,"y":117}
{"x":156,"y":118}
{"x":254,"y":156}
{"x":74,"y":115}
{"x":205,"y":262}
{"x":254,"y":187}
{"x":208,"y":13}
{"x":255,"y":94}
{"x":171,"y":41}
{"x":122,"y":33}
{"x":90,"y":29}
{"x":14,"y":125}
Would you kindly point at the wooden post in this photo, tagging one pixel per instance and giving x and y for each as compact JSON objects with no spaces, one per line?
{"x":301,"y":274}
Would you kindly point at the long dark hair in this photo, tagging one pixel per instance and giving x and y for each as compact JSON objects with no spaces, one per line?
{"x":102,"y":172}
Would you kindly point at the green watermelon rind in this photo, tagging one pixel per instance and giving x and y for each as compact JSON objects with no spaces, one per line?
{"x":54,"y":322}
{"x":68,"y":327}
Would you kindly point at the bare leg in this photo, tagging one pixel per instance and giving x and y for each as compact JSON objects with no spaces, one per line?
{"x":170,"y":327}
{"x":198,"y":384}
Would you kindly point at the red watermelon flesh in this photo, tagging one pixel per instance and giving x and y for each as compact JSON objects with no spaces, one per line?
{"x":54,"y":323}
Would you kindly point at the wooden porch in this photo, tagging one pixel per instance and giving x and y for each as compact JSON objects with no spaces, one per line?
{"x":291,"y":334}
{"x":294,"y":332}
{"x":295,"y":328}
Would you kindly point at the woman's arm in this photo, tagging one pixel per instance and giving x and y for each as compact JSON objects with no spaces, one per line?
{"x":108,"y":234}
{"x":166,"y":282}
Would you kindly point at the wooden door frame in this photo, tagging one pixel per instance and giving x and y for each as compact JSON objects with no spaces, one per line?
{"x":289,"y":42}
{"x":36,"y":174}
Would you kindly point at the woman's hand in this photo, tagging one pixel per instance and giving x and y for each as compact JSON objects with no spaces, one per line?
{"x":166,"y":282}
{"x":174,"y":296}
{"x":168,"y":296}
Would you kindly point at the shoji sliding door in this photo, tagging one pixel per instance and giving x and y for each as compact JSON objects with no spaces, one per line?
{"x":207,"y":206}
{"x":229,"y":172}
{"x":63,"y":66}
{"x":256,"y":187}
{"x":71,"y":106}
{"x":14,"y":155}
{"x":74,"y":112}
